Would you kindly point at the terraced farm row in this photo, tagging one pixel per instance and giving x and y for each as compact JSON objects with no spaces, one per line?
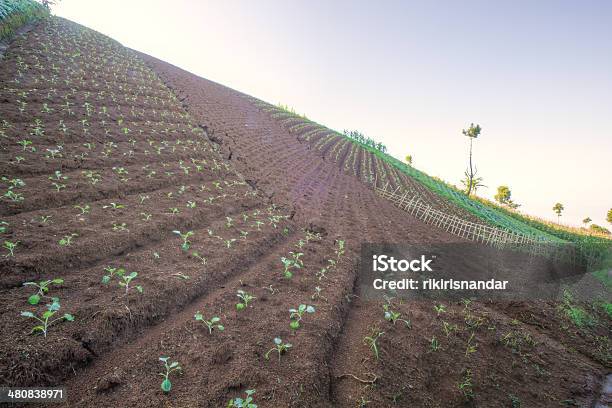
{"x":119,"y":208}
{"x":375,"y":167}
{"x":115,"y":163}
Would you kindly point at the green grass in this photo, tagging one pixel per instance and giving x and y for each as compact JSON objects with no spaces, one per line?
{"x":15,"y":13}
{"x":602,"y":275}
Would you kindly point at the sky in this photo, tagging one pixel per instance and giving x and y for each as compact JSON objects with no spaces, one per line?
{"x":537,"y":77}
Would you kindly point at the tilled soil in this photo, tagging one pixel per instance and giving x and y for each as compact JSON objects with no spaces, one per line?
{"x":175,"y":152}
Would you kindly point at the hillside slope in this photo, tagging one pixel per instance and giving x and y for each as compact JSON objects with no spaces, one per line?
{"x":107,"y":152}
{"x":282,"y":162}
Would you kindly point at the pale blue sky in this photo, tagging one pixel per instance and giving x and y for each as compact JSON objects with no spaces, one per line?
{"x":536,"y":75}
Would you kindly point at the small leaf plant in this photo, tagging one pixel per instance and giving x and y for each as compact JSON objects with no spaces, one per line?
{"x":42,"y":288}
{"x":166,"y":385}
{"x":297,"y":314}
{"x":211,"y":324}
{"x":279,"y":347}
{"x":45,"y":319}
{"x":243,"y":403}
{"x":245,"y":298}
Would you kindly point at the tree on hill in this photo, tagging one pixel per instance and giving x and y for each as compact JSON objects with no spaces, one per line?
{"x":558,"y":209}
{"x":409,"y":159}
{"x":504,"y":197}
{"x":609,"y":216}
{"x":586,"y":221}
{"x":471,"y":182}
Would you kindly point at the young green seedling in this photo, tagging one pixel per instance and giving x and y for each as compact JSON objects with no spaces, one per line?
{"x":371,"y":341}
{"x":13,"y":196}
{"x":211,"y":324}
{"x":317,"y":294}
{"x":83,"y":208}
{"x":113,"y":206}
{"x":67,"y":239}
{"x":185,"y":237}
{"x":197,"y":255}
{"x":245,"y":299}
{"x":440,"y":309}
{"x":10,"y":246}
{"x":166,"y":385}
{"x":297,"y":314}
{"x":243,"y":403}
{"x":434,"y":344}
{"x":126,"y":279}
{"x":279,"y":347}
{"x":45,"y":319}
{"x":289,"y":263}
{"x":110,"y":272}
{"x":43,"y":288}
{"x":392,"y":316}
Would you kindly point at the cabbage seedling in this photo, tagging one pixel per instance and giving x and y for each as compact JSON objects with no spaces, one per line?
{"x":185,"y":237}
{"x":166,"y":385}
{"x":245,"y":299}
{"x":113,"y":206}
{"x":83,"y":208}
{"x":392,"y":316}
{"x":210,"y":324}
{"x":10,"y":246}
{"x":45,"y":319}
{"x":279,"y":347}
{"x":67,"y":239}
{"x":13,"y":196}
{"x":110,"y":273}
{"x":297,"y":314}
{"x":290,"y":263}
{"x":43,"y":288}
{"x":243,"y":403}
{"x":126,"y":279}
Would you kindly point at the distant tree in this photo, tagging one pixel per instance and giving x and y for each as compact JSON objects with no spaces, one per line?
{"x":586,"y":221}
{"x":609,"y":216}
{"x":409,"y":159}
{"x":472,"y":132}
{"x":558,"y":209}
{"x":599,"y":229}
{"x":503,"y":197}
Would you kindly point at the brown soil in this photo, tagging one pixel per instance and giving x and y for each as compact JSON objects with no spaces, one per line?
{"x":191,"y":140}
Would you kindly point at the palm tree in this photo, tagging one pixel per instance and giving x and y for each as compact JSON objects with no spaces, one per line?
{"x":586,"y":221}
{"x":472,"y":132}
{"x":558,"y":209}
